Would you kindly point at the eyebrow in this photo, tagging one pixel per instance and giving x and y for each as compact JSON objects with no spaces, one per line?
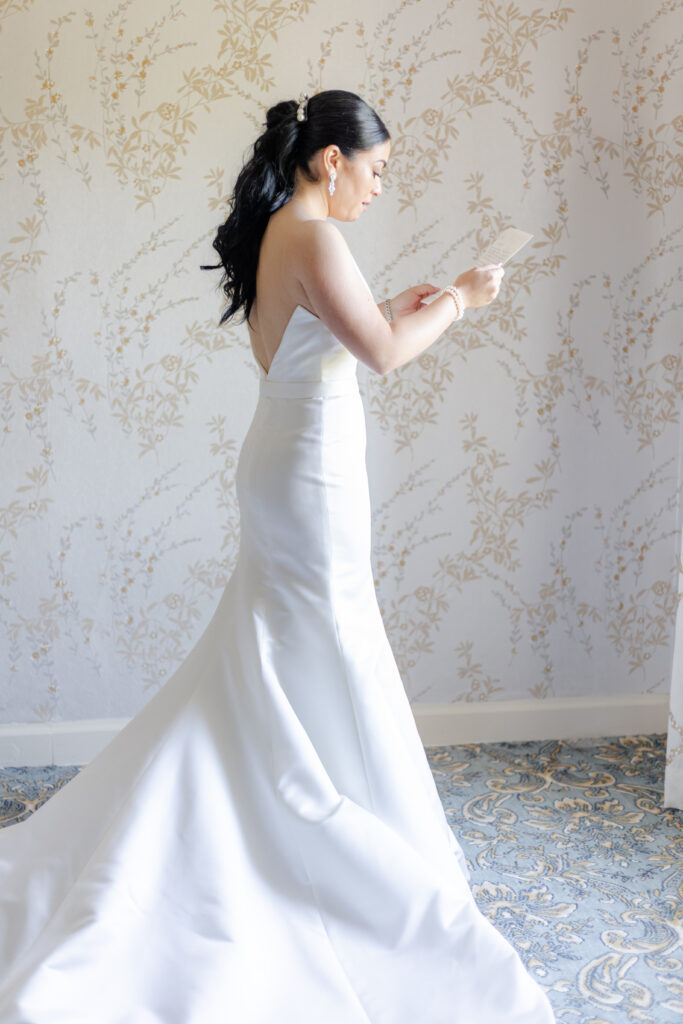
{"x":381,"y":162}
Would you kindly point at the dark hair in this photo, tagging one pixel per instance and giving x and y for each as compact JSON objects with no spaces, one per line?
{"x":266,"y":181}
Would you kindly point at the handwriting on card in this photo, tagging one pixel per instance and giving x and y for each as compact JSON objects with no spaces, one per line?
{"x":504,"y":247}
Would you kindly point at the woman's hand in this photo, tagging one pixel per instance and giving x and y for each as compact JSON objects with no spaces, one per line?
{"x":410,"y":300}
{"x":480,"y":285}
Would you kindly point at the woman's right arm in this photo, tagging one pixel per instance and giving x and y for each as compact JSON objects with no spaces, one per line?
{"x":338,"y":294}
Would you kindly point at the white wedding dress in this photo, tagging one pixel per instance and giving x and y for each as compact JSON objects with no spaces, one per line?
{"x":264,"y":843}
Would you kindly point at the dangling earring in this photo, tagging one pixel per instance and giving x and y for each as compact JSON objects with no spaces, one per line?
{"x":333,"y":177}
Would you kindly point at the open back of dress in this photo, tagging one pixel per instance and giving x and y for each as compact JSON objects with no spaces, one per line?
{"x":264,"y":842}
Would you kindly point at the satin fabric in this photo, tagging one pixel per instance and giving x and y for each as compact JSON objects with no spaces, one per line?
{"x":264,"y":841}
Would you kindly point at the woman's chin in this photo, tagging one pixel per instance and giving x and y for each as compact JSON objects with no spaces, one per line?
{"x":348,"y":215}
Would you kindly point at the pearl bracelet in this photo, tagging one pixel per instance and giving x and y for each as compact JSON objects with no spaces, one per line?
{"x":387,"y":311}
{"x":457,"y":299}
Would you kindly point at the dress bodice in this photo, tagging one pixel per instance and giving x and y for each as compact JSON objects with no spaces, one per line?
{"x":308,"y":351}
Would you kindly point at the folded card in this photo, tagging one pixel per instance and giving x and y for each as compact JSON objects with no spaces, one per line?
{"x":504,"y":247}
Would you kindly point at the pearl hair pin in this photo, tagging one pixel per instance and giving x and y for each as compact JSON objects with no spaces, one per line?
{"x":387,"y":311}
{"x":301,"y":111}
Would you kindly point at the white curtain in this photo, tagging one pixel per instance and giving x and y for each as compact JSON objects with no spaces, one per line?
{"x":673,"y":777}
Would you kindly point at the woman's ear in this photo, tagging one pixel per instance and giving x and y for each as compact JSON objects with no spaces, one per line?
{"x":331,"y":156}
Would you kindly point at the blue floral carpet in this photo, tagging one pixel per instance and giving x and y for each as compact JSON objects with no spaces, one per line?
{"x":572,"y":857}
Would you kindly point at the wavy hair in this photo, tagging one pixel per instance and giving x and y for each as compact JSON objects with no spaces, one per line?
{"x":266,"y":181}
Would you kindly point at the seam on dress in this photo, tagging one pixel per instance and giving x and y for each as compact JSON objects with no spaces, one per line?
{"x":340,"y":644}
{"x":314,"y":892}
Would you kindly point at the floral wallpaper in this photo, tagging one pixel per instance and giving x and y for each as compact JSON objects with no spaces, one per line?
{"x":525,"y":470}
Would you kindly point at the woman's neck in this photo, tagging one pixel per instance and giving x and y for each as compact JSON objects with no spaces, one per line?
{"x":309,"y":200}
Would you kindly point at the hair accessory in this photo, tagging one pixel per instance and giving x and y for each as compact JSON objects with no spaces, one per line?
{"x":387,"y":311}
{"x":301,"y":111}
{"x":333,"y":177}
{"x":457,"y":299}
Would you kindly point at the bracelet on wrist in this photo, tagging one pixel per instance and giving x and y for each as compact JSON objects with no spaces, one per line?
{"x":457,"y":299}
{"x":387,"y":311}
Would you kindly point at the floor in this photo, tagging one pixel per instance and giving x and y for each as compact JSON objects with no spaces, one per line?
{"x":574,"y":859}
{"x":571,"y":856}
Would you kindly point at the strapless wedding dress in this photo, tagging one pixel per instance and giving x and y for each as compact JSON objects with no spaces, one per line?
{"x":263,"y":843}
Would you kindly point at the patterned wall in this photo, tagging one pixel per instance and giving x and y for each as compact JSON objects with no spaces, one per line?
{"x":525,"y":469}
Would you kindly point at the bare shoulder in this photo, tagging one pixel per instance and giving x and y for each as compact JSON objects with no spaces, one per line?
{"x":323,"y":257}
{"x":320,"y":240}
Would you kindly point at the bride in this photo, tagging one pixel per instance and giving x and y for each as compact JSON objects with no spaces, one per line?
{"x":263,"y":843}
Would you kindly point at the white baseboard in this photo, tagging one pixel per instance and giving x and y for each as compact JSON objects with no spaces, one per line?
{"x":76,"y":743}
{"x":41,"y":743}
{"x":497,"y":721}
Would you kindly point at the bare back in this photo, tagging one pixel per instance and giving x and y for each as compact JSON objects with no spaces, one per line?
{"x":278,"y":288}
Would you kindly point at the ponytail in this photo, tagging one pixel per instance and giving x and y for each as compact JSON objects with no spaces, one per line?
{"x":266,"y":181}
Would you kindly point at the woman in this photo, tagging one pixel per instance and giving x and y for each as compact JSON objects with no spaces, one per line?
{"x":264,"y":841}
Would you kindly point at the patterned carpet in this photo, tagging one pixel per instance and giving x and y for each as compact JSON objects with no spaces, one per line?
{"x":575,"y":861}
{"x":572,"y":858}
